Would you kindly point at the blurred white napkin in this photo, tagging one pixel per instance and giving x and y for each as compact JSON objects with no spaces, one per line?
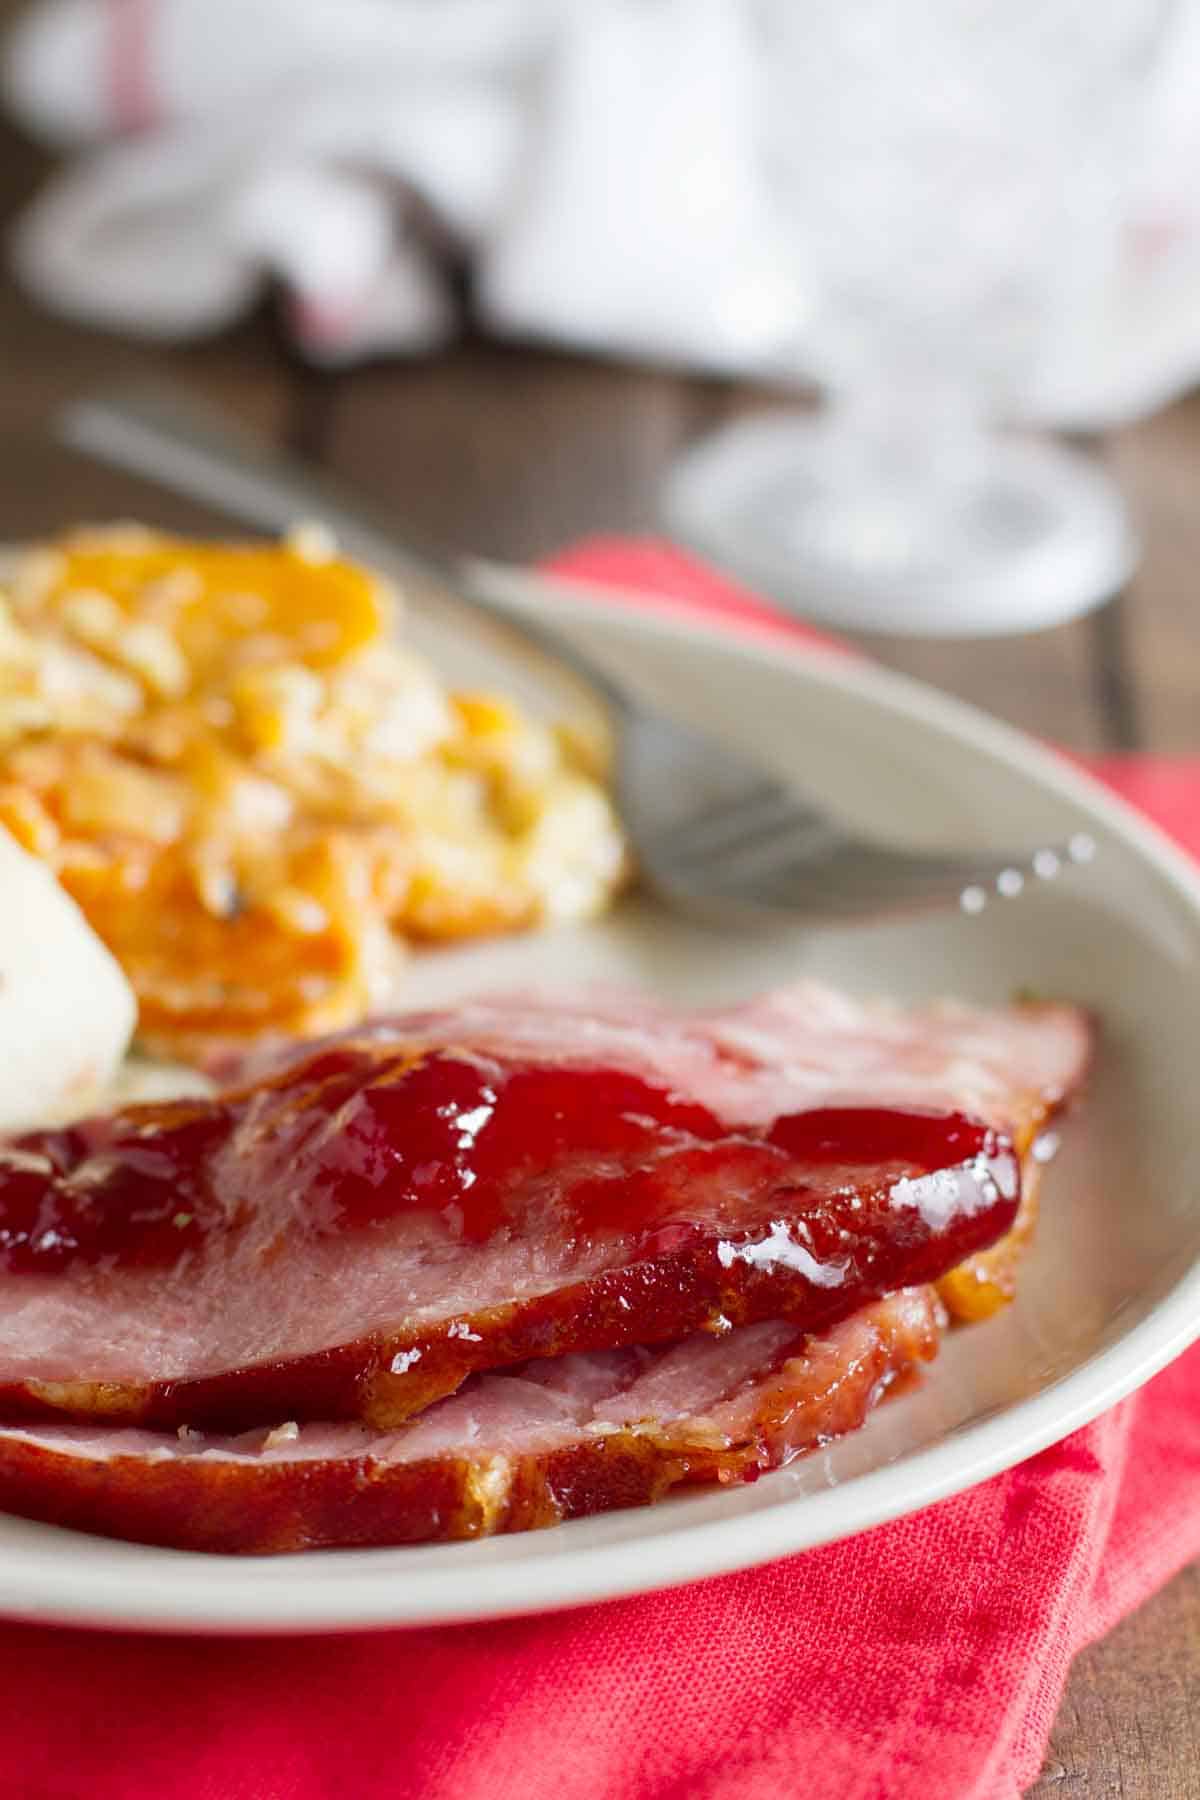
{"x":593,"y":160}
{"x":224,"y":142}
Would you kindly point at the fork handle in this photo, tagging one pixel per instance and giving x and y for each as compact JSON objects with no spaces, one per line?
{"x":165,"y":436}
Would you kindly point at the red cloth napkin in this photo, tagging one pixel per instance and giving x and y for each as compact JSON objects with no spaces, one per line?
{"x":924,"y":1660}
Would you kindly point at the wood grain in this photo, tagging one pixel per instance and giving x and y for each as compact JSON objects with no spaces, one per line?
{"x":1158,"y":462}
{"x":1129,"y":1724}
{"x":514,"y":452}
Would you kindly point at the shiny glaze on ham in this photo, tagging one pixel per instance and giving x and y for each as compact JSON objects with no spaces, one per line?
{"x":363,"y":1137}
{"x":355,"y":1233}
{"x":532,"y":1447}
{"x":421,"y":1175}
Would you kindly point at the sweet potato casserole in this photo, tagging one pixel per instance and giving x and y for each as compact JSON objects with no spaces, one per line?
{"x":251,"y":787}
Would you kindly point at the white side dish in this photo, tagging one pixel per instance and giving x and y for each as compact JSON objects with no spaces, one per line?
{"x":67,"y":1012}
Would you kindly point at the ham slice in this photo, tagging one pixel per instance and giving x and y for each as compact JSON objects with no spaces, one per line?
{"x":802,"y":1046}
{"x":551,"y":1441}
{"x":357,"y":1232}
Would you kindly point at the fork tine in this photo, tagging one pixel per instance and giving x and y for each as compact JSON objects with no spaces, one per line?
{"x":718,"y":835}
{"x":863,"y":879}
{"x":728,"y":825}
{"x":743,"y":857}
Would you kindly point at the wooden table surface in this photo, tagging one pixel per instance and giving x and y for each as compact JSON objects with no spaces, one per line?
{"x":513,"y":452}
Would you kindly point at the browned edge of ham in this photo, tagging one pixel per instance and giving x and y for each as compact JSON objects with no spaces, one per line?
{"x":508,"y":1453}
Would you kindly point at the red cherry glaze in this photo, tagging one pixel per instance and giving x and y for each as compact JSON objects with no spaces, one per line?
{"x":357,"y":1135}
{"x":926,"y":1139}
{"x":456,"y":1134}
{"x":133,"y":1187}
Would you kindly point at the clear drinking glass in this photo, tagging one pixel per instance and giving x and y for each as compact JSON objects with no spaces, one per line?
{"x":952,"y":175}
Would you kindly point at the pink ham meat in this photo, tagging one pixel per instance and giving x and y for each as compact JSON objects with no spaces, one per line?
{"x":547,"y":1442}
{"x":355,"y":1234}
{"x":802,"y":1046}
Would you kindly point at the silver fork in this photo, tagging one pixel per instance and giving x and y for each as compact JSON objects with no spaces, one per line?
{"x":712,"y":832}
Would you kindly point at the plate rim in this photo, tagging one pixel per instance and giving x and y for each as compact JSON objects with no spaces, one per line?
{"x":111,"y":1598}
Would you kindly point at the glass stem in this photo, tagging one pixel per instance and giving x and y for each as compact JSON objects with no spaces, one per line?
{"x":913,"y":437}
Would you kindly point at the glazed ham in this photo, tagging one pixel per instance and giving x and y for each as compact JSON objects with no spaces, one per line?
{"x":551,"y":1441}
{"x":354,"y":1234}
{"x":800,"y":1047}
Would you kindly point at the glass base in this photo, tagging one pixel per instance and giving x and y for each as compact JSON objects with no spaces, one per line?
{"x":1001,"y":535}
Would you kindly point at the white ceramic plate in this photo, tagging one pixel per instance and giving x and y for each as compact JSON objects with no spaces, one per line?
{"x":1110,"y":1293}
